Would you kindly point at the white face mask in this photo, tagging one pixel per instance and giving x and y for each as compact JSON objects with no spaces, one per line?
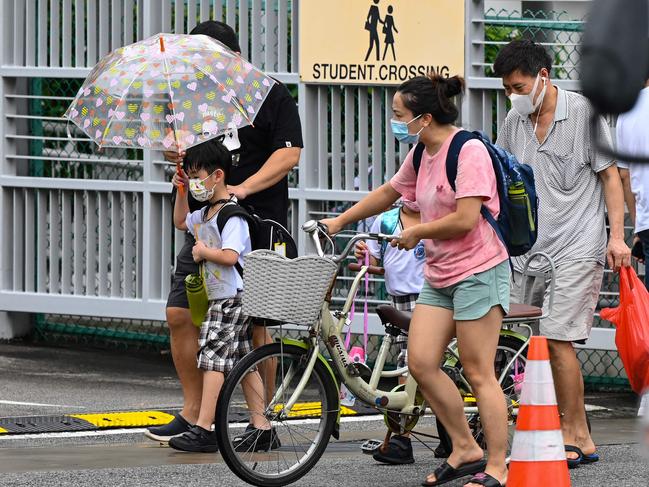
{"x":524,"y":104}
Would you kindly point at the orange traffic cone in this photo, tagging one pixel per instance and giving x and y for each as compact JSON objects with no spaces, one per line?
{"x":538,"y":457}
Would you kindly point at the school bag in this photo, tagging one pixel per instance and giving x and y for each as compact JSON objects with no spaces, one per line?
{"x":517,"y":223}
{"x":264,"y":233}
{"x":389,"y":225}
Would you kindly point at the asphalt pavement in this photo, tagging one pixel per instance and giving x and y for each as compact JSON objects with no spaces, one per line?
{"x":44,"y":380}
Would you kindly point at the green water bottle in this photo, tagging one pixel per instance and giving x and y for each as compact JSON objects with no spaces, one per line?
{"x":197,"y":297}
{"x":521,"y":220}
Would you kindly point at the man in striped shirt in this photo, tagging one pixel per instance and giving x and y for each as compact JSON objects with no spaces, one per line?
{"x":549,"y":129}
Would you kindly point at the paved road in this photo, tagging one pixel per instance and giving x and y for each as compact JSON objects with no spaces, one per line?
{"x":37,"y":380}
{"x":132,"y":461}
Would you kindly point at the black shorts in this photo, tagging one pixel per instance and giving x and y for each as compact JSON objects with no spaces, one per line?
{"x":185,"y":265}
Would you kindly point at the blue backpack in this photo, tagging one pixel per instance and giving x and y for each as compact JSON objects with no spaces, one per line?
{"x":517,"y":223}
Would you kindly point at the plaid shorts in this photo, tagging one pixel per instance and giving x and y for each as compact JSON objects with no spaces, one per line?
{"x":403,"y":303}
{"x":226,"y":336}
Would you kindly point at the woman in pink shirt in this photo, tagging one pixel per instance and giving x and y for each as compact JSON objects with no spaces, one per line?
{"x":466,"y":292}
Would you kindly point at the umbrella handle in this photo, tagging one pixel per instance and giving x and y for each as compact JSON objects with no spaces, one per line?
{"x":181,"y":188}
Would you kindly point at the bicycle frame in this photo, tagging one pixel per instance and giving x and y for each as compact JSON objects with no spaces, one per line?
{"x":330,"y":327}
{"x":329,"y":330}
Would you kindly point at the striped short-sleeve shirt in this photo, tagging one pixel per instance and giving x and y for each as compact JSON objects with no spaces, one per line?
{"x":571,"y":198}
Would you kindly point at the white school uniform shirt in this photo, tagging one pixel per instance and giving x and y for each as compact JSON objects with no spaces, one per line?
{"x":404,"y":269}
{"x":222,"y":282}
{"x":633,"y":138}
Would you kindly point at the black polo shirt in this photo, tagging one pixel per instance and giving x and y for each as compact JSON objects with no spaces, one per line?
{"x":276,"y":126}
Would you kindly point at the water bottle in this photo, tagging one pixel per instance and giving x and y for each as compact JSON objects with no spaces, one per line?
{"x":520,"y":214}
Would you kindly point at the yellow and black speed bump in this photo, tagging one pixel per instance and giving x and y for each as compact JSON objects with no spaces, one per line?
{"x":137,"y":419}
{"x":83,"y":422}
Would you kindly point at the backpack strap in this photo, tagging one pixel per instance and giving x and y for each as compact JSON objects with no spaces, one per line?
{"x":416,"y":157}
{"x":458,"y":141}
{"x":228,"y":211}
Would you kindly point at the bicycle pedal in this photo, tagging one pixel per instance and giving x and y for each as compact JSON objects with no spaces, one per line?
{"x":370,"y":446}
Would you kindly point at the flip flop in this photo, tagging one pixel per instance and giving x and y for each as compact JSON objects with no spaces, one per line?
{"x":574,"y":462}
{"x":445,"y":473}
{"x":592,"y":458}
{"x":485,"y":479}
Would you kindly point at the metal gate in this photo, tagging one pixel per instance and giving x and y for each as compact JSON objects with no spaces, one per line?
{"x":88,"y":240}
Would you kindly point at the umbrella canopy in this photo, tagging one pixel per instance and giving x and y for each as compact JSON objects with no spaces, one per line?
{"x":168,"y":92}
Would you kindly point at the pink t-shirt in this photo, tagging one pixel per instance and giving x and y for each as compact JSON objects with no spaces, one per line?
{"x":450,"y":261}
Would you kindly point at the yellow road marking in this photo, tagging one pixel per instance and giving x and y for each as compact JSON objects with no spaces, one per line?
{"x":311,"y":409}
{"x":130,"y":419}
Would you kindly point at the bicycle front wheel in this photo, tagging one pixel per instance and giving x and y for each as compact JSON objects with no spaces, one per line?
{"x":254,"y":394}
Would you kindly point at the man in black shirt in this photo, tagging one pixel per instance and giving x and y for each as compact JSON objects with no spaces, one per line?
{"x":262,"y":157}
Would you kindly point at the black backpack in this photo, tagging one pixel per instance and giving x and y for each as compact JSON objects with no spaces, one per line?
{"x":264,"y":233}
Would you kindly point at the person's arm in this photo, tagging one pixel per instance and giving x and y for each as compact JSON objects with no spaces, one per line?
{"x":278,"y":165}
{"x":371,"y":246}
{"x":181,"y":206}
{"x":284,"y":139}
{"x":235,"y":239}
{"x":618,"y":253}
{"x":629,"y":197}
{"x":454,"y":225}
{"x":226,"y":257}
{"x":376,"y":202}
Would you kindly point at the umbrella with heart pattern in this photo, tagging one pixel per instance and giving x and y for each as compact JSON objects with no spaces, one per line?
{"x":168,"y":92}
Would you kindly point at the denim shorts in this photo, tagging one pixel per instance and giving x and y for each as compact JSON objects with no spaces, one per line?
{"x":473,"y":297}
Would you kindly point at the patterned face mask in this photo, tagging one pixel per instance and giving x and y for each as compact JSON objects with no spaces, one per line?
{"x":199,"y":191}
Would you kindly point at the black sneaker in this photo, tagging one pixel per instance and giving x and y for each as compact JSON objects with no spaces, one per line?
{"x":254,"y":439}
{"x":164,"y":433}
{"x":197,"y":439}
{"x":398,"y":452}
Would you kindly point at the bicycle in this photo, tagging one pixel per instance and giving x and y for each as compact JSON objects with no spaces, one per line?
{"x":510,"y":356}
{"x":305,"y":411}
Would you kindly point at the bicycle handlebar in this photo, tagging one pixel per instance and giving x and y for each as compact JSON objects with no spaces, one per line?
{"x":316,"y":229}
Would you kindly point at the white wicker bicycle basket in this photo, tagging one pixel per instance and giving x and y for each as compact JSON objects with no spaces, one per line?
{"x":286,"y":290}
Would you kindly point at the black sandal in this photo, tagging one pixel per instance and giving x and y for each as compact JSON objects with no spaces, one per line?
{"x":445,"y":473}
{"x":574,"y":462}
{"x":485,"y":479}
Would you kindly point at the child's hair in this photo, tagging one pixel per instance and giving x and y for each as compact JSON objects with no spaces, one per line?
{"x":219,"y":31}
{"x":210,"y":156}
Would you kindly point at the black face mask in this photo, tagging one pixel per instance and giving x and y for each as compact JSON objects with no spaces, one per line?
{"x":615,"y":61}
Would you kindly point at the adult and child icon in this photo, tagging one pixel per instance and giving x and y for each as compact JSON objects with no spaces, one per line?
{"x":372,"y":24}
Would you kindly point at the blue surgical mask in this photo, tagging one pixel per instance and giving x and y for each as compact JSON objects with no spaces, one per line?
{"x":400,"y":131}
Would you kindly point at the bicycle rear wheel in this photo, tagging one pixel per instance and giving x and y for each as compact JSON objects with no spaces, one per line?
{"x":298,"y":437}
{"x":511,"y":385}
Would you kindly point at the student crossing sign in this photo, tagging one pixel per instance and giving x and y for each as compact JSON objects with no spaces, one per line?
{"x":379,"y":42}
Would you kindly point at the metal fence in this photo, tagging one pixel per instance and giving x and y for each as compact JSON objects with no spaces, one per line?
{"x":89,"y":246}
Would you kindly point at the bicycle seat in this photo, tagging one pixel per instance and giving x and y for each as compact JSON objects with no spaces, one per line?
{"x":389,"y":315}
{"x":517,"y":310}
